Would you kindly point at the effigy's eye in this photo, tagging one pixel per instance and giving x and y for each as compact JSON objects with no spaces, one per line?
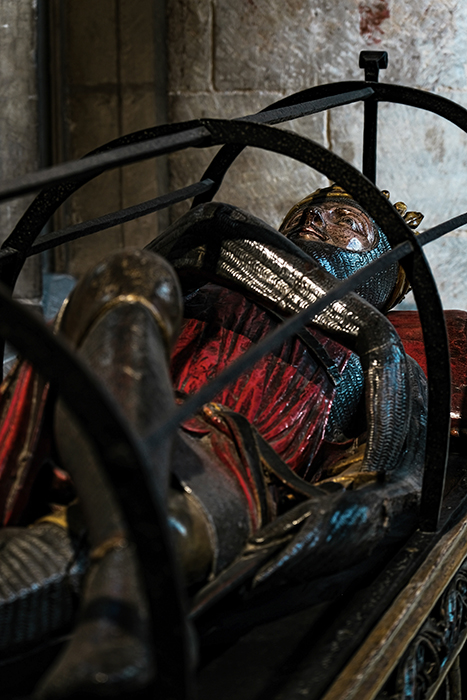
{"x":350,"y":221}
{"x":295,"y":220}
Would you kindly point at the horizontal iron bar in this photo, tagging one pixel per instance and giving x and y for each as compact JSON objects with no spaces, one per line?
{"x":124,"y":155}
{"x":51,"y":240}
{"x":303,"y":109}
{"x":71,"y":233}
{"x":279,"y":335}
{"x":25,"y":184}
{"x":432,"y":234}
{"x":6,"y":253}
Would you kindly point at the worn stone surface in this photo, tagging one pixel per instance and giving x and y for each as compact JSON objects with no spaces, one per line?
{"x":189,"y":43}
{"x":107,"y":90}
{"x":265,"y":46}
{"x":266,"y":184}
{"x":96,"y":65}
{"x":93,"y":120}
{"x":448,"y":263}
{"x":424,"y":159}
{"x":251,"y":51}
{"x":18,"y":119}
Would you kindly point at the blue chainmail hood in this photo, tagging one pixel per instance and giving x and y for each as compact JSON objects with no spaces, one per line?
{"x":343,"y":263}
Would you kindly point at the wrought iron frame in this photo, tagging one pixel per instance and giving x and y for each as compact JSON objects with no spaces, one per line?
{"x":123,"y":457}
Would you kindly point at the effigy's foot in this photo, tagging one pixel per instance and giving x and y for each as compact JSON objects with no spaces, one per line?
{"x":111,"y":651}
{"x":123,"y":318}
{"x":129,"y":276}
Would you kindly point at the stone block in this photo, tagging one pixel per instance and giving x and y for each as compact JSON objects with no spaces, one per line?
{"x":110,"y":89}
{"x":269,"y":44}
{"x":136,"y":42}
{"x":137,"y":107}
{"x":189,"y":45}
{"x":93,"y":119}
{"x":29,"y":283}
{"x":422,"y":158}
{"x":423,"y":161}
{"x":18,"y":121}
{"x":18,"y":99}
{"x":264,"y":45}
{"x":345,"y":133}
{"x":141,"y":231}
{"x":100,"y":196}
{"x":264,"y":183}
{"x":90,"y":42}
{"x":448,"y":261}
{"x":425,"y":42}
{"x":139,"y":182}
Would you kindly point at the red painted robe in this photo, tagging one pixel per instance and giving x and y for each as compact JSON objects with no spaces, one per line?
{"x":287,"y":395}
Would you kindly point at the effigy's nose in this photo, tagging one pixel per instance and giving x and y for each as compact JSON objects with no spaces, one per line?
{"x":314,"y":222}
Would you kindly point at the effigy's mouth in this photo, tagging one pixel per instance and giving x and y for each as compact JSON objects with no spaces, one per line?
{"x":310,"y":233}
{"x":307,"y":233}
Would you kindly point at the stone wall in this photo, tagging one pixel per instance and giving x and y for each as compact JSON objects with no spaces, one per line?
{"x":19,"y":120}
{"x":232,"y":58}
{"x":228,"y":59}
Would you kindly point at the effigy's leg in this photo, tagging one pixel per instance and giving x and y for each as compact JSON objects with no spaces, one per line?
{"x":122,"y":317}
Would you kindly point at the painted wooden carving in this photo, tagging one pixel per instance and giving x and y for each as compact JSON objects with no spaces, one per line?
{"x":308,"y":462}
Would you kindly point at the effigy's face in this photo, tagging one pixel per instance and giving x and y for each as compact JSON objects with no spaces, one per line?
{"x":334,"y":222}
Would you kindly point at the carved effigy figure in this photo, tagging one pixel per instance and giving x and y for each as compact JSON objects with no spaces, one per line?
{"x":318,"y":448}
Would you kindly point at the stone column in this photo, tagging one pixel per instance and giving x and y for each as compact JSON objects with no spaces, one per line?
{"x":105,"y":84}
{"x":19,"y":122}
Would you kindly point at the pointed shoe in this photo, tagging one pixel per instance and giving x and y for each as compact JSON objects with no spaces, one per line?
{"x":130,"y":276}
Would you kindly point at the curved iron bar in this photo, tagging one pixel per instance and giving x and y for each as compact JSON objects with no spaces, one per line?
{"x":441,"y":106}
{"x":127,"y":469}
{"x":78,"y":173}
{"x":47,"y":202}
{"x":222,"y":161}
{"x":417,"y":271}
{"x":322,"y":97}
{"x":85,"y":228}
{"x":42,"y":351}
{"x":93,"y":164}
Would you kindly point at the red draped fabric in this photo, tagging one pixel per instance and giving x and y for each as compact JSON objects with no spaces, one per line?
{"x":287,"y":395}
{"x":23,"y":397}
{"x":407,"y":324}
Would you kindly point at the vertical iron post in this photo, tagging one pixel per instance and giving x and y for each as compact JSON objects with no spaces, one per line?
{"x":372,"y":62}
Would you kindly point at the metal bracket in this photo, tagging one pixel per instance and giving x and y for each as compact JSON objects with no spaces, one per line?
{"x":372,"y":62}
